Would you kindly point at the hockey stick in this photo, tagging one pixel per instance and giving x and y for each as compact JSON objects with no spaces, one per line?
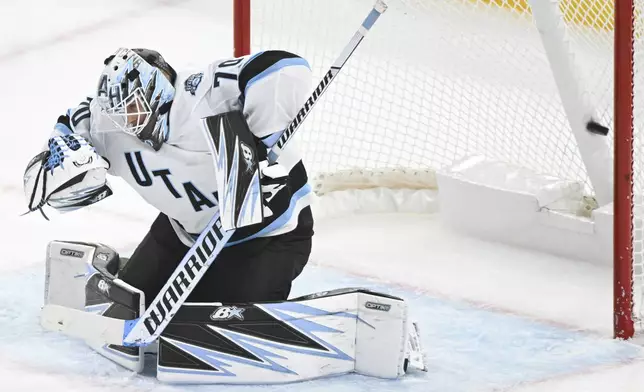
{"x":379,"y":8}
{"x":149,"y":326}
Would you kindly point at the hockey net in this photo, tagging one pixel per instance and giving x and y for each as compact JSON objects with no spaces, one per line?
{"x":437,"y":81}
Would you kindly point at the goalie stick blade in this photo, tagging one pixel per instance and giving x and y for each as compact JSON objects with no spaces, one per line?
{"x":83,"y":325}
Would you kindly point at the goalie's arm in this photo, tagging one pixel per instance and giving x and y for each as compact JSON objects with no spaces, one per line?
{"x":273,"y":85}
{"x":76,"y":120}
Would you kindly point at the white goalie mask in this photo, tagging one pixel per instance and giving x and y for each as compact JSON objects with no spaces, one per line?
{"x":135,"y":92}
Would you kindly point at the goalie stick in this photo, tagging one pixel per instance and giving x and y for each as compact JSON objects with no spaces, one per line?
{"x":147,"y":328}
{"x":379,"y":8}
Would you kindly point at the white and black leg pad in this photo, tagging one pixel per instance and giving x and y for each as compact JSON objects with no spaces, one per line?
{"x":82,"y":276}
{"x":318,"y":335}
{"x":393,"y":346}
{"x":381,"y":335}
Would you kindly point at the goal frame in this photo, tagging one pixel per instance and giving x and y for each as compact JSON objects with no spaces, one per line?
{"x":623,"y":203}
{"x":241,"y":27}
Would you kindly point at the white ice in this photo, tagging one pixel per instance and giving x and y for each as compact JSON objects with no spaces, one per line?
{"x":493,"y":317}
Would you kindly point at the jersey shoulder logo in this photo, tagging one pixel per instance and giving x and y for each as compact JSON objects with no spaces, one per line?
{"x":192,"y":83}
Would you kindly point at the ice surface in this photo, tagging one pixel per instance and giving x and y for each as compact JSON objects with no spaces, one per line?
{"x":470,"y":349}
{"x":493,"y":317}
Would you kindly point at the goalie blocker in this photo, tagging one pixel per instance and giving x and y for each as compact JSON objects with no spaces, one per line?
{"x":318,"y":335}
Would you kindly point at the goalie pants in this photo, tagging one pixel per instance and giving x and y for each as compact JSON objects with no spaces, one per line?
{"x":261,"y":269}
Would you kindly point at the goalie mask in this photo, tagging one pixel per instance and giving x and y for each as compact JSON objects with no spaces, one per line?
{"x":135,"y":92}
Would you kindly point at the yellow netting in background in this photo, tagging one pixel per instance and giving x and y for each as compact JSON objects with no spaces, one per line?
{"x":597,"y":14}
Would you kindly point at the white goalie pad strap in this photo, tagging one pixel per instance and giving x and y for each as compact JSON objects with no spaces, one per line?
{"x":415,"y":355}
{"x":381,"y":337}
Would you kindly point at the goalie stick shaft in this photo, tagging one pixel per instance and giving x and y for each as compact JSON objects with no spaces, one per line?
{"x":149,"y":326}
{"x":378,"y":9}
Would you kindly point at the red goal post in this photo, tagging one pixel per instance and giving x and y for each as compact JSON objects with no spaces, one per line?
{"x":624,"y":236}
{"x":497,"y":78}
{"x":241,"y":27}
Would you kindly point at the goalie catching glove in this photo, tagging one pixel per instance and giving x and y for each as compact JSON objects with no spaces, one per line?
{"x":67,"y":176}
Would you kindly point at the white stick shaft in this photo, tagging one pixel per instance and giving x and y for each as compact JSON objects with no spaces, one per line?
{"x":378,"y":9}
{"x":183,"y":280}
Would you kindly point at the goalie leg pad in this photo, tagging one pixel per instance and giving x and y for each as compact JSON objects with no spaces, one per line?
{"x":319,"y":335}
{"x":382,"y":336}
{"x":82,"y":276}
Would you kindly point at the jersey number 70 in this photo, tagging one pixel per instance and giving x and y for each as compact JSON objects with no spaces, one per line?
{"x":226,"y":75}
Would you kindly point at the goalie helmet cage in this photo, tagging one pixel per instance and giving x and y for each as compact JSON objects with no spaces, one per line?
{"x":439,"y":80}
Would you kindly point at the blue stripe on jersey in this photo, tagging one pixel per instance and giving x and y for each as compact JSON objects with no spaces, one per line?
{"x":62,"y":129}
{"x":282,"y":220}
{"x":252,"y":56}
{"x":271,"y":139}
{"x":276,"y":67}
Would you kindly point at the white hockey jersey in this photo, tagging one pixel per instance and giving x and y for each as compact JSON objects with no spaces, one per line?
{"x":179,"y":179}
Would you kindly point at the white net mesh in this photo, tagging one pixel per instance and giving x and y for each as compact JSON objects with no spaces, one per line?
{"x":434,"y":81}
{"x":438,"y":80}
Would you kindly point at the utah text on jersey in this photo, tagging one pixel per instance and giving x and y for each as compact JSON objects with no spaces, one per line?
{"x":179,"y":180}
